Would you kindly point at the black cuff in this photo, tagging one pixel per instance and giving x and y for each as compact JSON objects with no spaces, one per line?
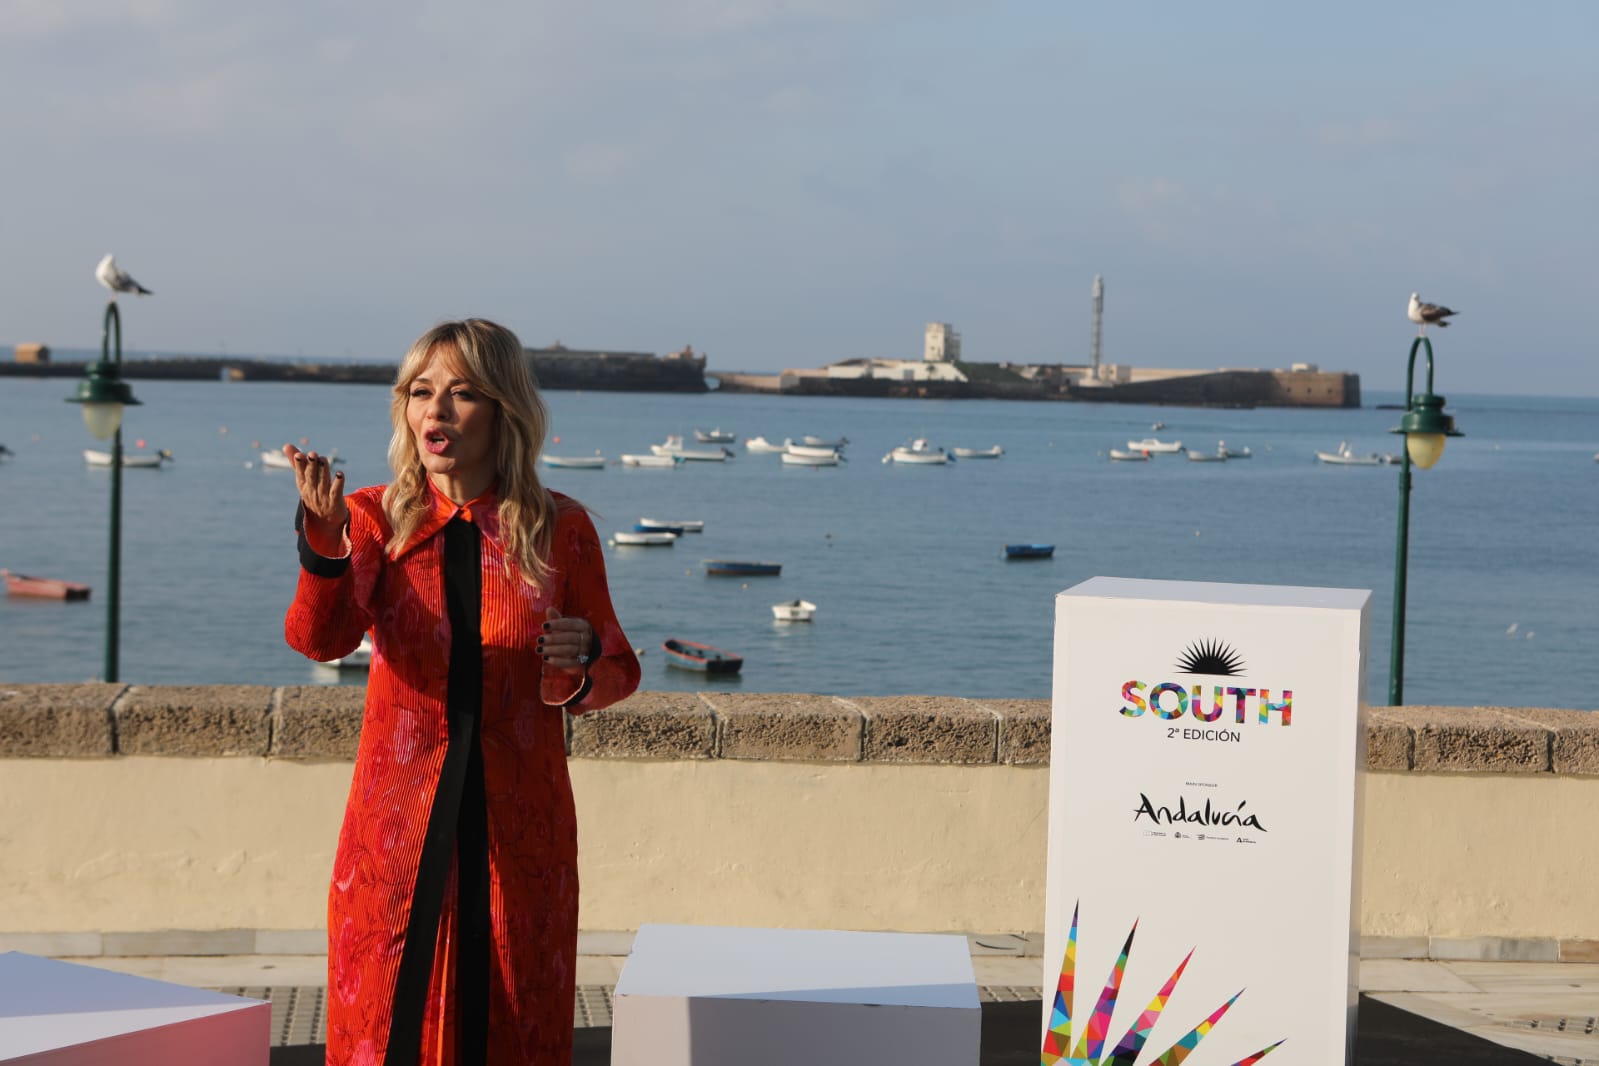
{"x":583,"y":690}
{"x":314,"y":564}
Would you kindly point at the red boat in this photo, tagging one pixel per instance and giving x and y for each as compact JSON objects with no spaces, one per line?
{"x":43,"y":588}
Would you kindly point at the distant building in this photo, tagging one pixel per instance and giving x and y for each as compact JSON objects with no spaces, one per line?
{"x":943,"y":344}
{"x":893,"y":370}
{"x":33,"y":353}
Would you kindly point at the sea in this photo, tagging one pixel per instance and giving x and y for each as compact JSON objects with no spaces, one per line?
{"x":904,"y":563}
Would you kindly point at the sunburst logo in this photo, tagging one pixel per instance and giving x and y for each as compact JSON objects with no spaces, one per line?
{"x":1210,"y":657}
{"x":1090,"y":1049}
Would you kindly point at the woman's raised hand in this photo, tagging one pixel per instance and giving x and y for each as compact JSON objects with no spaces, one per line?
{"x":322,"y":493}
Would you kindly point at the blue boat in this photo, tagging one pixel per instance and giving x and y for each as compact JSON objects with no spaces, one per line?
{"x":1029,"y":551}
{"x":732,"y":568}
{"x":657,"y":527}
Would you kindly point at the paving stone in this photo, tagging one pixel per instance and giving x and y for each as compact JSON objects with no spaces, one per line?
{"x":57,"y":721}
{"x":194,"y":720}
{"x":798,"y":727}
{"x":1474,"y":739}
{"x":1390,"y":741}
{"x":318,"y":722}
{"x":1023,"y":730}
{"x":928,"y":729}
{"x":1575,"y":745}
{"x":1494,"y":948}
{"x":647,"y":725}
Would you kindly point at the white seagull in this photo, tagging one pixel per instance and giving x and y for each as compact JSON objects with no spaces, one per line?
{"x":117,"y":280}
{"x":1426,"y":315}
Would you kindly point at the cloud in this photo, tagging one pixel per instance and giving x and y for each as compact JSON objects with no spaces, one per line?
{"x":44,"y":18}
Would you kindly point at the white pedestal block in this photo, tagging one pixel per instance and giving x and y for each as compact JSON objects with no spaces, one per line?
{"x":62,"y":1014}
{"x":719,"y":996}
{"x":1206,"y":759}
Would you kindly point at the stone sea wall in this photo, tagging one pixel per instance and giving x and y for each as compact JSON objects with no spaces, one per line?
{"x":134,"y":817}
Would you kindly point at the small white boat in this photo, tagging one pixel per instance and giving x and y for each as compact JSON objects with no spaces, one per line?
{"x":276,"y":460}
{"x":130,"y":460}
{"x":762,"y":446}
{"x":642,"y":539}
{"x":1347,"y":456}
{"x":825,"y":457}
{"x":674,"y":446}
{"x":1197,"y":456}
{"x":1129,"y":457}
{"x":824,"y":442}
{"x":815,"y":451}
{"x":664,"y":462}
{"x":918,"y":453}
{"x":1233,"y":453}
{"x":713,"y":436}
{"x":794,"y":611}
{"x":1158,"y":426}
{"x":359,"y":659}
{"x":574,"y":462}
{"x":978,"y":453}
{"x":696,"y":525}
{"x":1155,"y":446}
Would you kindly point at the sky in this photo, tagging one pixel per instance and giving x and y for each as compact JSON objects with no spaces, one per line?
{"x":787,"y":183}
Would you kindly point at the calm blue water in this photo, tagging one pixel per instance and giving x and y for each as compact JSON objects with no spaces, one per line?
{"x":903,"y":562}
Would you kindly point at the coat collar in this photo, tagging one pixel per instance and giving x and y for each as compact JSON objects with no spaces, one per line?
{"x":483,"y":511}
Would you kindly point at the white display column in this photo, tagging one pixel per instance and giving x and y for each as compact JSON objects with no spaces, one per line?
{"x":1206,"y":761}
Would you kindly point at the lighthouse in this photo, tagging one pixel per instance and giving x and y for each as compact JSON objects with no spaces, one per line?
{"x":1099,"y":314}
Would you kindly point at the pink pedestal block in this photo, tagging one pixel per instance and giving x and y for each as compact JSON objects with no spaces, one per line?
{"x":63,"y":1014}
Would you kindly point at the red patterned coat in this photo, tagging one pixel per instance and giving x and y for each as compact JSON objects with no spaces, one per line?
{"x":531,"y":821}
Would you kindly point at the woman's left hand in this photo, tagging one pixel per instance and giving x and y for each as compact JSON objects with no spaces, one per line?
{"x":567,"y":643}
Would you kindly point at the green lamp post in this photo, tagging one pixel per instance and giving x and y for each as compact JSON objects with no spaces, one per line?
{"x":1425,"y":428}
{"x":104,"y":394}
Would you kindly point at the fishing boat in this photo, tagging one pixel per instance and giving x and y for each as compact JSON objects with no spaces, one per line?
{"x":827,"y":457}
{"x":574,"y":462}
{"x":1129,"y":457}
{"x":1347,"y":456}
{"x":653,"y":462}
{"x":794,"y":611}
{"x":978,"y":453}
{"x":130,"y":461}
{"x":762,"y":446}
{"x":692,"y":655}
{"x":1233,"y":453}
{"x":687,"y":525}
{"x":43,"y":588}
{"x":918,"y":453}
{"x":1156,"y":446}
{"x":674,"y":446}
{"x":1029,"y":551}
{"x":359,"y":659}
{"x":1197,"y":456}
{"x":813,"y":451}
{"x":736,"y":568}
{"x":644,"y":538}
{"x":713,"y":436}
{"x":824,"y":442}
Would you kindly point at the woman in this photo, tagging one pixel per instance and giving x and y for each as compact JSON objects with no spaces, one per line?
{"x":452,"y":917}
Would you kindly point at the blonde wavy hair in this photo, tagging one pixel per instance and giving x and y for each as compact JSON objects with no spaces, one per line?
{"x":492,"y":359}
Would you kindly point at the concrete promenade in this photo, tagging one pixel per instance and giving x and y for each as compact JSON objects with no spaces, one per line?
{"x":1544,"y":1009}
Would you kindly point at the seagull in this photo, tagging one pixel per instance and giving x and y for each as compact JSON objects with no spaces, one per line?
{"x":1428,"y":314}
{"x":117,"y":280}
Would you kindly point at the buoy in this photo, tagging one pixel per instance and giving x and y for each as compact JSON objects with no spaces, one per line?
{"x":555,"y":440}
{"x":139,"y":443}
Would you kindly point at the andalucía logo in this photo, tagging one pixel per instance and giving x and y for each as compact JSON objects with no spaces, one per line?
{"x":1201,"y":813}
{"x":1208,"y":657}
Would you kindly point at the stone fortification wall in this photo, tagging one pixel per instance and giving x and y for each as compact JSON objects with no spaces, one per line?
{"x":1235,"y":388}
{"x":133,"y":815}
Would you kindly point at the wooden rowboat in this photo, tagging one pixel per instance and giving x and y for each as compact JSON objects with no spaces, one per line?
{"x":690,"y":655}
{"x":43,"y":588}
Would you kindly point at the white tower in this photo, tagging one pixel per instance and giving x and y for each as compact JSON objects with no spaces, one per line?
{"x":1099,"y":314}
{"x":943,"y":344}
